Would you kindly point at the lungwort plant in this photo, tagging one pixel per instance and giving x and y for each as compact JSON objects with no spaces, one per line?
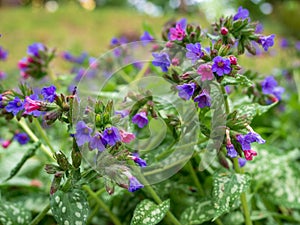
{"x":151,"y":132}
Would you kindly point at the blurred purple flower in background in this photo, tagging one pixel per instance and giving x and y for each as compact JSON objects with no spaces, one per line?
{"x":3,"y":54}
{"x":241,"y":14}
{"x":162,"y":60}
{"x":22,"y":138}
{"x":35,"y":49}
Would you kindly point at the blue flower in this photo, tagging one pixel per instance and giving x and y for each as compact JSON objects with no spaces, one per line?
{"x":15,"y":106}
{"x":221,"y":66}
{"x":136,"y":158}
{"x":146,"y":37}
{"x":246,"y":140}
{"x":35,"y":49}
{"x":267,"y":41}
{"x":241,"y":14}
{"x":186,"y":91}
{"x":83,"y":133}
{"x":134,"y":184}
{"x":162,"y":60}
{"x":3,"y":54}
{"x":49,"y":93}
{"x":111,"y":135}
{"x":270,"y":86}
{"x":203,"y":99}
{"x":194,"y":52}
{"x":22,"y":138}
{"x":97,"y":142}
{"x":242,"y":162}
{"x":140,"y":119}
{"x":231,"y":152}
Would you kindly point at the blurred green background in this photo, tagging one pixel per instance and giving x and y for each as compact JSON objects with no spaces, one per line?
{"x":88,"y":25}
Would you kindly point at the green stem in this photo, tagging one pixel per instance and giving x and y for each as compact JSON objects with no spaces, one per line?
{"x":40,"y":216}
{"x":149,"y":190}
{"x":43,"y":134}
{"x":243,"y":195}
{"x":114,"y":219}
{"x":27,"y":129}
{"x":142,"y":71}
{"x":195,"y":178}
{"x":238,"y":169}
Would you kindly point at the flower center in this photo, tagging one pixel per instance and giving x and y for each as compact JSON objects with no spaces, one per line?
{"x":220,"y":64}
{"x":86,"y":130}
{"x":19,"y":104}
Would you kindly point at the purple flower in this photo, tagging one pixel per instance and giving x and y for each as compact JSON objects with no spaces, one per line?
{"x":146,"y":37}
{"x":231,"y":152}
{"x":259,"y":28}
{"x":114,"y":41}
{"x":22,"y":138}
{"x":270,"y":86}
{"x":71,"y":58}
{"x":140,"y":119}
{"x":111,"y":135}
{"x":3,"y":54}
{"x":186,"y":91}
{"x":83,"y":133}
{"x":97,"y":142}
{"x":122,"y":113}
{"x":246,"y":140}
{"x":284,"y":43}
{"x":162,"y":60}
{"x":297,"y":45}
{"x":203,"y":99}
{"x":194,"y":52}
{"x":136,"y":158}
{"x":241,"y":14}
{"x":242,"y":162}
{"x":49,"y":93}
{"x":1,"y":103}
{"x":221,"y":66}
{"x":278,"y":91}
{"x":15,"y":106}
{"x":267,"y":41}
{"x":35,"y":49}
{"x":134,"y":184}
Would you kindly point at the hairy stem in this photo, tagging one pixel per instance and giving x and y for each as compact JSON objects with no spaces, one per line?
{"x":237,"y":169}
{"x":27,"y":129}
{"x":195,"y":178}
{"x":43,"y":134}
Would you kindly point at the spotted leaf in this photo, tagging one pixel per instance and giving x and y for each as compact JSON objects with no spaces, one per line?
{"x":227,"y":188}
{"x":148,"y":213}
{"x":69,"y":208}
{"x":14,"y":214}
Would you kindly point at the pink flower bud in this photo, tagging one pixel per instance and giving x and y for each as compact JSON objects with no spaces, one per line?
{"x":126,"y":137}
{"x":224,"y":31}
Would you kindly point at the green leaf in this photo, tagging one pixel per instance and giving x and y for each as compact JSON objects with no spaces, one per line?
{"x":14,"y":214}
{"x":276,"y":176}
{"x":26,"y":156}
{"x":203,"y":210}
{"x":246,"y":113}
{"x":227,"y":188}
{"x":148,"y":213}
{"x":239,"y":79}
{"x":69,"y":208}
